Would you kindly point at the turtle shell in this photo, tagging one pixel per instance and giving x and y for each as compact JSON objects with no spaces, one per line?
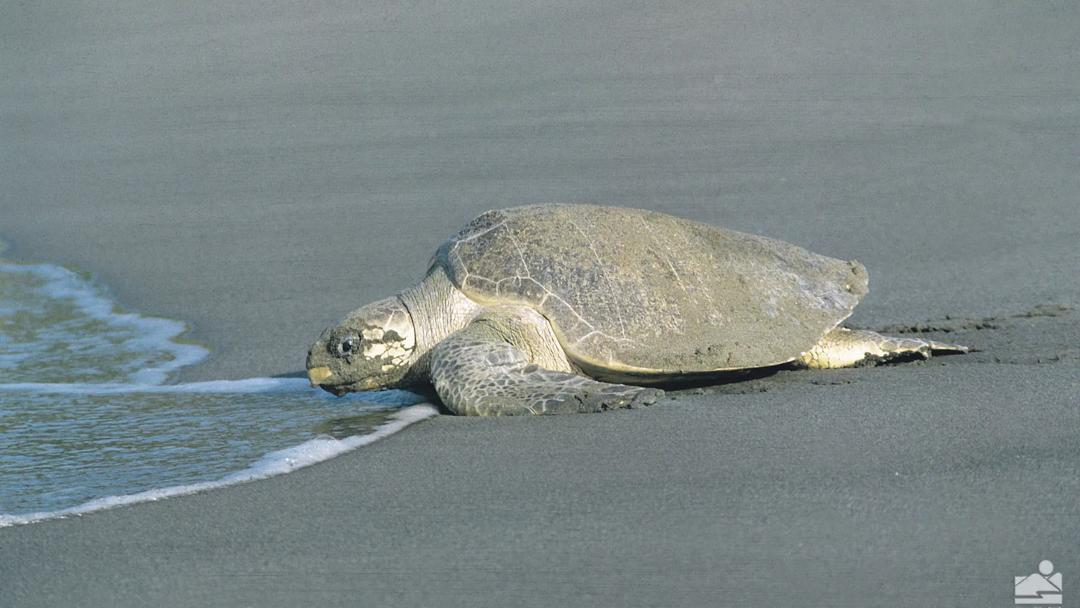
{"x":644,"y":293}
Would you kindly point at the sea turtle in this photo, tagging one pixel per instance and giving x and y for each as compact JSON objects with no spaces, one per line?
{"x":550,"y":309}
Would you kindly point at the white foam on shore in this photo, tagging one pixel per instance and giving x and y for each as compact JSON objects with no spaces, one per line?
{"x":275,"y":463}
{"x":151,"y":333}
{"x":146,"y":339}
{"x":247,"y":386}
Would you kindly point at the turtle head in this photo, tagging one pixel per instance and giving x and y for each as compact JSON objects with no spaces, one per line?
{"x":370,"y":349}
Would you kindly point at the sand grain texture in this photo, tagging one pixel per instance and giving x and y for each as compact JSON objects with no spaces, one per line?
{"x":259,"y":169}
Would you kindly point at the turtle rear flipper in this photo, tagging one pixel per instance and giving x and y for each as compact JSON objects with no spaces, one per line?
{"x":486,"y":369}
{"x":843,"y":347}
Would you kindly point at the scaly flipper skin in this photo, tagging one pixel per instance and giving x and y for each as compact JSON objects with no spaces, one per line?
{"x":844,"y":347}
{"x":484,"y":370}
{"x":543,"y":309}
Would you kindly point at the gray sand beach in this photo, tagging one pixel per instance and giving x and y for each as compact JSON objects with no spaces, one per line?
{"x":259,"y":169}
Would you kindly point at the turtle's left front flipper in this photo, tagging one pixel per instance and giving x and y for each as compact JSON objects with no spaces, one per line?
{"x":496,"y":367}
{"x":843,"y":347}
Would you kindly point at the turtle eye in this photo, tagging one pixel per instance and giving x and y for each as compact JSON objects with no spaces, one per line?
{"x":346,"y":346}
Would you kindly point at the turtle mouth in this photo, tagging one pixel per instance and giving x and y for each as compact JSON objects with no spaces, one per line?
{"x":320,"y":377}
{"x":324,"y":378}
{"x":337,"y":391}
{"x":340,"y":390}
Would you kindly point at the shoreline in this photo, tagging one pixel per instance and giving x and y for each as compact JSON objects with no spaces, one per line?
{"x":818,"y":470}
{"x":273,"y":464}
{"x":114,"y":352}
{"x":260,"y":173}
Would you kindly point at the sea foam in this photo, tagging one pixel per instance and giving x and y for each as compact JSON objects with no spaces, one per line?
{"x":137,"y":334}
{"x":73,"y":364}
{"x":280,"y":462}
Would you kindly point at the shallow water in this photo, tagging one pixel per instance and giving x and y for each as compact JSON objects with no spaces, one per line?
{"x":88,"y":421}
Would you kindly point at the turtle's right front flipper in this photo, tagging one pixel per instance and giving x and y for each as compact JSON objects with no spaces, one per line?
{"x":492,"y":367}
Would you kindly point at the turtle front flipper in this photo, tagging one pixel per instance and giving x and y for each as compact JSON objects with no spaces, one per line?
{"x":843,"y":347}
{"x":501,"y":365}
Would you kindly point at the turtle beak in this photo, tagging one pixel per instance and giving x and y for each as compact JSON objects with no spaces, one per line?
{"x":318,"y":375}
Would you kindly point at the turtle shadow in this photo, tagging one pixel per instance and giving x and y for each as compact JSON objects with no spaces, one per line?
{"x":689,"y":381}
{"x":737,"y":381}
{"x":350,"y":426}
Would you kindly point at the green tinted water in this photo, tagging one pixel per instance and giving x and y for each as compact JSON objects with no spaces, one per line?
{"x":85,"y":412}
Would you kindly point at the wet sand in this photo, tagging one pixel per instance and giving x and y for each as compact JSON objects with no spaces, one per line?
{"x":259,"y":170}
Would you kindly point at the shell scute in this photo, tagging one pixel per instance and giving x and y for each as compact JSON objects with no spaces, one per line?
{"x":644,"y":292}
